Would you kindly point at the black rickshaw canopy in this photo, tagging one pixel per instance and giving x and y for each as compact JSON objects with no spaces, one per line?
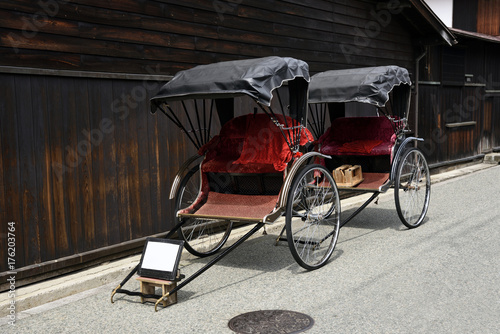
{"x":367,"y":85}
{"x":213,"y":87}
{"x":254,"y":77}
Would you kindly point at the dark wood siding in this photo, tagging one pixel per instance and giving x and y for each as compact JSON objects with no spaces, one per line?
{"x":136,"y":36}
{"x":488,"y":17}
{"x":492,"y":66}
{"x":90,"y":173}
{"x":430,"y":124}
{"x":492,"y":78}
{"x":451,"y":121}
{"x":453,"y":65}
{"x":465,"y":14}
{"x":430,"y":67}
{"x":495,"y":122}
{"x":450,"y":103}
{"x":475,"y":62}
{"x":481,"y":16}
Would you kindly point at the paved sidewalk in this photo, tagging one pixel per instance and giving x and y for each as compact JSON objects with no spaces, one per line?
{"x":52,"y":293}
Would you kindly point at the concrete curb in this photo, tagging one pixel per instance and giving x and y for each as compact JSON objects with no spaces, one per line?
{"x":48,"y":291}
{"x":111,"y":273}
{"x":492,"y":158}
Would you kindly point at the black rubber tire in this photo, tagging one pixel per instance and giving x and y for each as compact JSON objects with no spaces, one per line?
{"x":313,"y":216}
{"x":412,"y":188}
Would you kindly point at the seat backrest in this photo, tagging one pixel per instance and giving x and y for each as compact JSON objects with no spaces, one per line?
{"x":253,"y":139}
{"x":266,"y":144}
{"x":348,"y":129}
{"x":231,"y":138}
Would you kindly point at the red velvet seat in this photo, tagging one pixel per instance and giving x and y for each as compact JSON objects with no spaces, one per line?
{"x":249,"y":144}
{"x":367,"y":136}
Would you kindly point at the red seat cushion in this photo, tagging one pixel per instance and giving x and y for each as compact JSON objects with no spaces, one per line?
{"x":250,"y":144}
{"x":264,"y":143}
{"x":358,"y":136}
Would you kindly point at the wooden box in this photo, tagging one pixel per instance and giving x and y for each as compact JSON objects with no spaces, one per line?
{"x":348,"y":175}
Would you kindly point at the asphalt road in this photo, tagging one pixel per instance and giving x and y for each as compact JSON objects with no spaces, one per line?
{"x":443,"y":277}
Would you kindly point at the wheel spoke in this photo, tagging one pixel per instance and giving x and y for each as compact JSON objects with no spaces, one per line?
{"x":312,"y":236}
{"x":202,"y":237}
{"x":412,"y":188}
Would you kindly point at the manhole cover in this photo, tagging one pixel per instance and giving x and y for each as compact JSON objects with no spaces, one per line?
{"x":271,"y":322}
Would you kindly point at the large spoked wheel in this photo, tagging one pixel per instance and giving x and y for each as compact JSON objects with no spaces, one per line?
{"x":313,"y":217}
{"x":202,"y":237}
{"x":413,"y":188}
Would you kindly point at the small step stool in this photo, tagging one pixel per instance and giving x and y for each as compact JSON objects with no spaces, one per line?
{"x":148,"y":286}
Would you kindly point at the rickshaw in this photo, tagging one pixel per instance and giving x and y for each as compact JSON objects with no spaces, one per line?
{"x":374,"y":137}
{"x":247,"y":119}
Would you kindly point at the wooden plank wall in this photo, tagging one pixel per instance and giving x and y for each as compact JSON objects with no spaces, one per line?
{"x":84,"y":164}
{"x":492,"y":74}
{"x":464,"y":141}
{"x":488,"y":127}
{"x":165,"y":35}
{"x":447,"y":99}
{"x":488,"y":17}
{"x":430,"y":124}
{"x":482,"y":16}
{"x":465,"y":14}
{"x":495,"y":121}
{"x":441,"y":109}
{"x":491,"y":128}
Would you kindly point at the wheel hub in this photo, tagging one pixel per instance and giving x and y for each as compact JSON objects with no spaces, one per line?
{"x":315,"y":216}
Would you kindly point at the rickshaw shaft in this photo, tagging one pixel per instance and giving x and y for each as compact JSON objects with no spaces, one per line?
{"x":193,"y":276}
{"x":217,"y":258}
{"x":355,"y":213}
